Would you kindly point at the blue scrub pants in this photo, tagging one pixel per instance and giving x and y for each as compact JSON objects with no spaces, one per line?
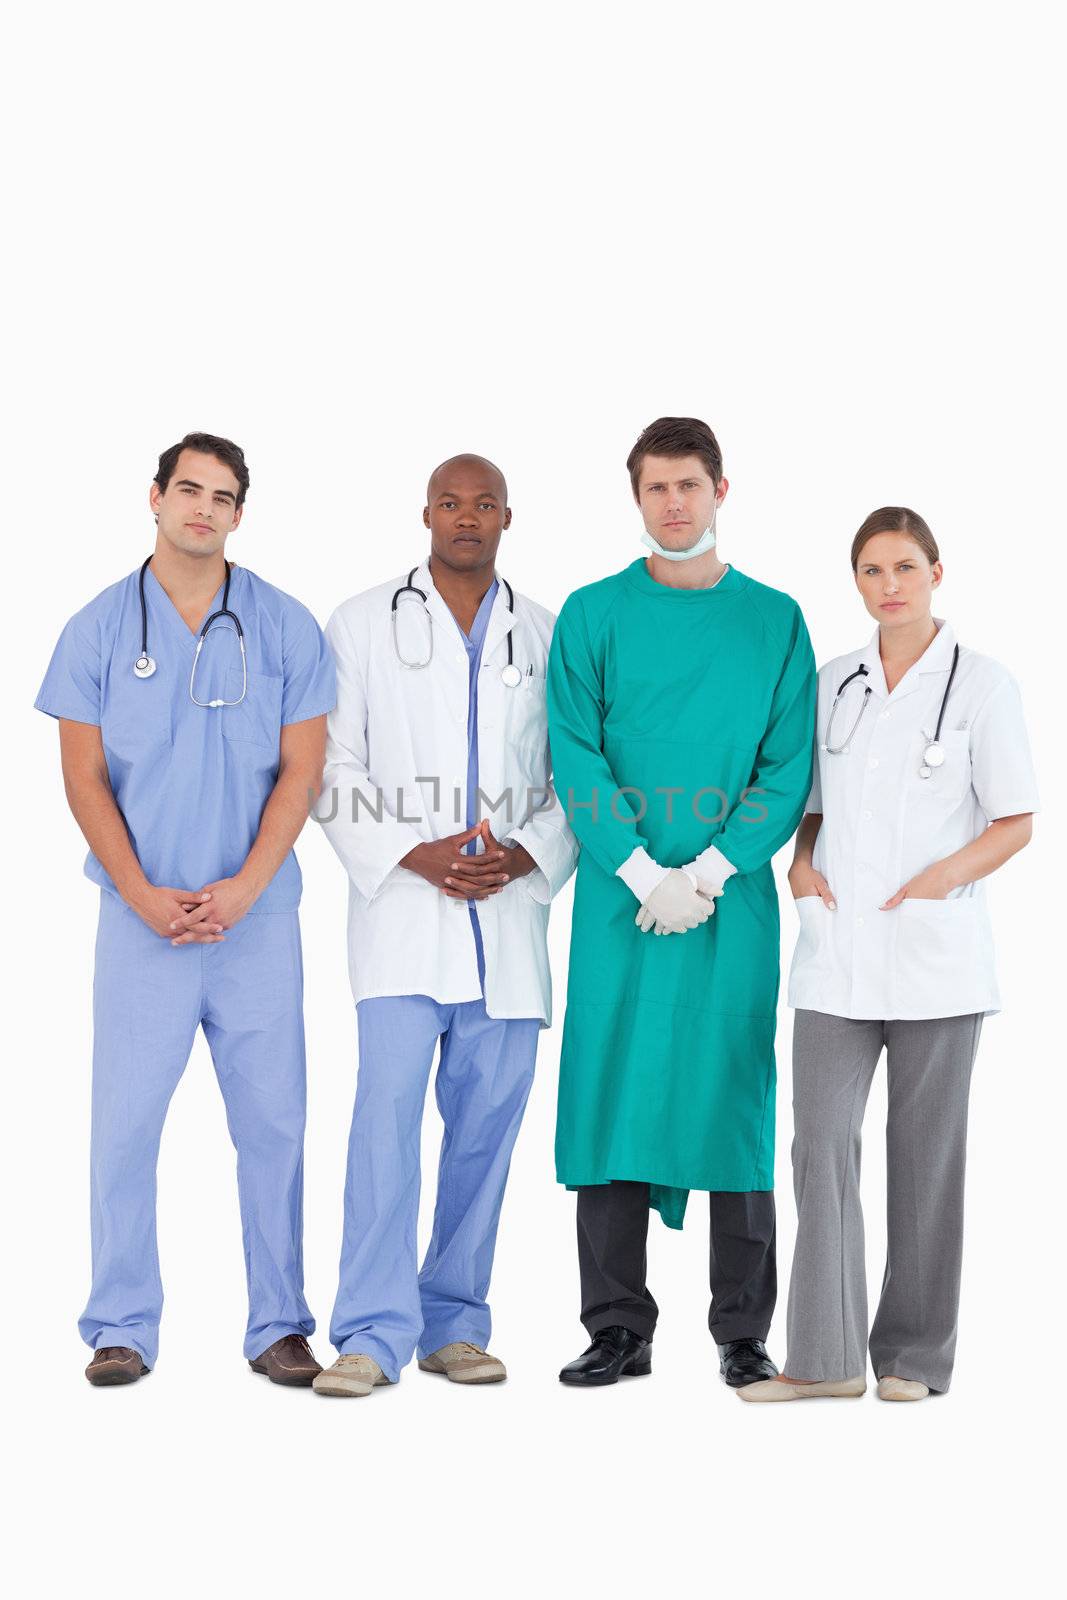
{"x":149,"y":998}
{"x":386,"y":1307}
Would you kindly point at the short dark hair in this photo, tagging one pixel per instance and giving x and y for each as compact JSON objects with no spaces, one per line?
{"x":895,"y":519}
{"x":208,"y":444}
{"x":675,"y":436}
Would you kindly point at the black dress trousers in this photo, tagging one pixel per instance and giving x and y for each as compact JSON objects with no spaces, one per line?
{"x":612,"y":1242}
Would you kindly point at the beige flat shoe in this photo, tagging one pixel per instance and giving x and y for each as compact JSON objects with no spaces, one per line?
{"x":350,"y":1377}
{"x":901,"y":1389}
{"x":771,"y":1389}
{"x":465,"y":1363}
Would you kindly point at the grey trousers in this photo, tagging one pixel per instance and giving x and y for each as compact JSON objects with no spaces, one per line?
{"x":929,"y":1074}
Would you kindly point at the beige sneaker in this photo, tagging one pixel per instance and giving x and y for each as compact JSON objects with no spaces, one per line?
{"x":901,"y":1389}
{"x":829,"y":1389}
{"x":465,"y":1363}
{"x":350,"y":1376}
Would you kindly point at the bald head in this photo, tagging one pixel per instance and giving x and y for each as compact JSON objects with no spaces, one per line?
{"x":466,"y":511}
{"x":468,"y":473}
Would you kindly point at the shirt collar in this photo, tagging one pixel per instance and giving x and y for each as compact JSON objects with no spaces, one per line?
{"x":161,"y":603}
{"x":937,"y":657}
{"x":500,"y":621}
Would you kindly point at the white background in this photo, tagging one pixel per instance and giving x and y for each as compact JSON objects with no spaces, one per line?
{"x":360,"y":239}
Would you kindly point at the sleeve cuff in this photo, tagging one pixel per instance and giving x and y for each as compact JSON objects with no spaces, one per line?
{"x":1026,"y":806}
{"x":536,"y":882}
{"x":554,"y":852}
{"x":538,"y":887}
{"x":53,"y":708}
{"x":641,"y":874}
{"x":402,"y":843}
{"x":306,"y":714}
{"x":370,"y":872}
{"x":711,"y":863}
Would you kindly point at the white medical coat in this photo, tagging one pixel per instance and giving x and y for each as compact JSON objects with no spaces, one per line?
{"x":396,"y":774}
{"x":883,"y":824}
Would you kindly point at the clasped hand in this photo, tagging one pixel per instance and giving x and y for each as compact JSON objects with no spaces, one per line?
{"x":443,"y":863}
{"x":675,"y":905}
{"x":194,"y":916}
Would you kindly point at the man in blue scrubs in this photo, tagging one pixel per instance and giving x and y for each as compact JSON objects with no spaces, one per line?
{"x":192,"y":700}
{"x":440,"y":716}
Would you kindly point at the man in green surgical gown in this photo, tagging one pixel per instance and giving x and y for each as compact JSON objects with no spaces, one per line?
{"x":681,"y":700}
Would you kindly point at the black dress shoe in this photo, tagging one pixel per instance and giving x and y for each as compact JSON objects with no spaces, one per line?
{"x":614,"y":1353}
{"x":744,"y":1361}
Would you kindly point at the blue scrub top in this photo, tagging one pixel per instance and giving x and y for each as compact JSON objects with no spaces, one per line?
{"x":473,"y":643}
{"x":192,"y":781}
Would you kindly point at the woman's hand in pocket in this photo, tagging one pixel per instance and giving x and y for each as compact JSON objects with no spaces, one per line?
{"x":934,"y":883}
{"x":805,"y":882}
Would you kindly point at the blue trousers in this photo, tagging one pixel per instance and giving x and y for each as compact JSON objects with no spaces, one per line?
{"x":149,"y":998}
{"x":386,"y":1307}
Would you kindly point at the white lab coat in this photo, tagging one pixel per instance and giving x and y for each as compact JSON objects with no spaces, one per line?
{"x":883,"y":824}
{"x":398,"y":738}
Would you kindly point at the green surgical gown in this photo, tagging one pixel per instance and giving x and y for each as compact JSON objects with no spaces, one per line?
{"x":678,"y":719}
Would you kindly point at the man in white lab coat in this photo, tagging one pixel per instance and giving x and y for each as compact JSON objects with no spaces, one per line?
{"x":438,"y":799}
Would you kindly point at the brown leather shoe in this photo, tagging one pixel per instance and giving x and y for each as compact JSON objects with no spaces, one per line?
{"x":115,"y":1363}
{"x":289,"y":1361}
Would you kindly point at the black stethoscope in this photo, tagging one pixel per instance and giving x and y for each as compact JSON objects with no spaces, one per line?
{"x":933,"y":755}
{"x":144,"y":666}
{"x":509,"y":675}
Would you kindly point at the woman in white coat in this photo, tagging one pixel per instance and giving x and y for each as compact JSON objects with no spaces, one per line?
{"x":923,"y":786}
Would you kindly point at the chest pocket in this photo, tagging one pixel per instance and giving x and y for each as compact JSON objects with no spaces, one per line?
{"x":950,"y":782}
{"x":257,"y":720}
{"x":527,"y":712}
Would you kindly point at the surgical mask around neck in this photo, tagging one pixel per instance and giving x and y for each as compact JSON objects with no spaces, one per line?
{"x":704,"y":543}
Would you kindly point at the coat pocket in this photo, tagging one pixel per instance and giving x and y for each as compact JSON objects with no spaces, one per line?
{"x":527,"y":712}
{"x":943,"y":954}
{"x":811,"y":955}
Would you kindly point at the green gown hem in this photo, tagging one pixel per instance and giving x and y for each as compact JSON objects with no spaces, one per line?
{"x":670,"y":1199}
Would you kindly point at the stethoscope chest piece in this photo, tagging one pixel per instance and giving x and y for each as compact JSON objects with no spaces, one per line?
{"x":511,"y":676}
{"x":143,"y":667}
{"x":933,"y":756}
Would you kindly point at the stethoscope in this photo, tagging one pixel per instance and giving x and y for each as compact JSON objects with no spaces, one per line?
{"x":144,"y":666}
{"x":509,"y":675}
{"x":933,"y":754}
{"x":839,"y":749}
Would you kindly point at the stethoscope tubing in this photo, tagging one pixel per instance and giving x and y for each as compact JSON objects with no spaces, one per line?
{"x":144,"y":666}
{"x":860,"y":672}
{"x":932,"y":749}
{"x":415,"y":666}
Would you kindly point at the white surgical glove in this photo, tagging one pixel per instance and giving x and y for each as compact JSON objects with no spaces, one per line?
{"x":710,"y":870}
{"x":675,"y":905}
{"x":641,"y":874}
